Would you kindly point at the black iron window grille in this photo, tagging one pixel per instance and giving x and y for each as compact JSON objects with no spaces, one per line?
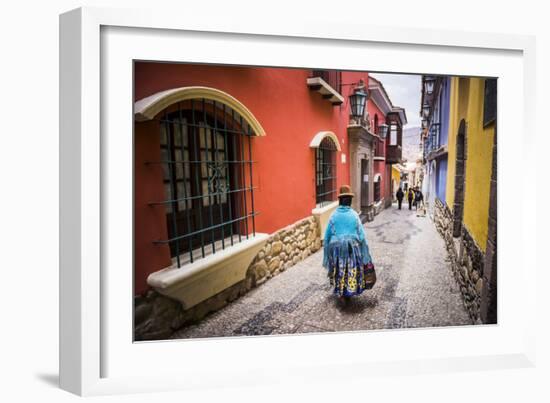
{"x":325,"y":172}
{"x":206,"y":156}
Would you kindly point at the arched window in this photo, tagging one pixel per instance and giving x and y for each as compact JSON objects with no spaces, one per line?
{"x":325,"y":171}
{"x":376,"y":123}
{"x":206,"y":155}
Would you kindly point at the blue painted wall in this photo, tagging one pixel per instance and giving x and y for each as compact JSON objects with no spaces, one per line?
{"x":444,"y":106}
{"x":441,"y":179}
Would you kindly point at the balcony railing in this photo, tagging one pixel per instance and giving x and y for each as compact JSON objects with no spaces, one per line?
{"x":432,"y":141}
{"x":434,"y":135}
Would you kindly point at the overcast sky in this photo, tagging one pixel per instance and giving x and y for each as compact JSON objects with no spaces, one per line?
{"x":404,"y":91}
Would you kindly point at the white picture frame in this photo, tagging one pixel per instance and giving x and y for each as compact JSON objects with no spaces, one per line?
{"x":96,"y":350}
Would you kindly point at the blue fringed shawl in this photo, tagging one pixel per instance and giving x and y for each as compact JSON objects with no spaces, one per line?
{"x":345,"y":242}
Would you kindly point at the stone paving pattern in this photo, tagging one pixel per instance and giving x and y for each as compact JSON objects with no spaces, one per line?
{"x":415,"y":288}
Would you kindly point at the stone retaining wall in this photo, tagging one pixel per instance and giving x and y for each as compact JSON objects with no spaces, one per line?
{"x":467,"y":260}
{"x":379,"y":206}
{"x":156,"y":317}
{"x":285,"y":248}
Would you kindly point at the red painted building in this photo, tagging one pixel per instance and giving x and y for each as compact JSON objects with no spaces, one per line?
{"x":222,"y":153}
{"x":382,"y":111}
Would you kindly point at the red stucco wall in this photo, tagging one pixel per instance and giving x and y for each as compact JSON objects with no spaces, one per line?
{"x":291,"y":115}
{"x":149,"y":221}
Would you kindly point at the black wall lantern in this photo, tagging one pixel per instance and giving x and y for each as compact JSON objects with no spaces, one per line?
{"x":358,"y":100}
{"x":426,"y":110}
{"x":429,"y":83}
{"x":383,"y":131}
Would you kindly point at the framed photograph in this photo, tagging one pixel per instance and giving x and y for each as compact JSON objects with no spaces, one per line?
{"x":238,"y":200}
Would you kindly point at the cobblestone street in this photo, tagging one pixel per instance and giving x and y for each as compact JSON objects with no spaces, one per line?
{"x":415,"y":288}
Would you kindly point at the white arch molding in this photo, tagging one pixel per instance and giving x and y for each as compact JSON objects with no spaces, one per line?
{"x":147,"y":108}
{"x":318,"y":138}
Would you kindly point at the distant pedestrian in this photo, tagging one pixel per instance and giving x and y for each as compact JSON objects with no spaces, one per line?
{"x":346,"y":252}
{"x":410,"y":197}
{"x":418,"y":199}
{"x":399,"y":196}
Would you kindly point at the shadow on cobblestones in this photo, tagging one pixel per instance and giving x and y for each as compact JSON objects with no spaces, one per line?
{"x":356,"y":305}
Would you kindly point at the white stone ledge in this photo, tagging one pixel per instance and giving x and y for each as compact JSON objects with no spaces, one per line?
{"x":206,"y":277}
{"x":322,"y":215}
{"x":326,"y":90}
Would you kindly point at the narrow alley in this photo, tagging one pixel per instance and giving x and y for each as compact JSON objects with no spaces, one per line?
{"x":415,"y":288}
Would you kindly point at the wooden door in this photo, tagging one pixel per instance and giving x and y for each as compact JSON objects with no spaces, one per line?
{"x":364,"y":183}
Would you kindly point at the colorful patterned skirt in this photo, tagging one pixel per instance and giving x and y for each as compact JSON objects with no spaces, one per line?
{"x":347,"y":272}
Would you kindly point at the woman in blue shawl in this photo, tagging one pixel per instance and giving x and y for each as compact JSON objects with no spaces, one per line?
{"x":346,"y":252}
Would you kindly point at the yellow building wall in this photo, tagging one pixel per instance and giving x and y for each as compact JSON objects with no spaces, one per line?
{"x":467,"y":103}
{"x":451,"y":144}
{"x":396,"y":176}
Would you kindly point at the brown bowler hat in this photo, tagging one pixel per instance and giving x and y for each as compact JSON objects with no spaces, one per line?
{"x":345,"y":190}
